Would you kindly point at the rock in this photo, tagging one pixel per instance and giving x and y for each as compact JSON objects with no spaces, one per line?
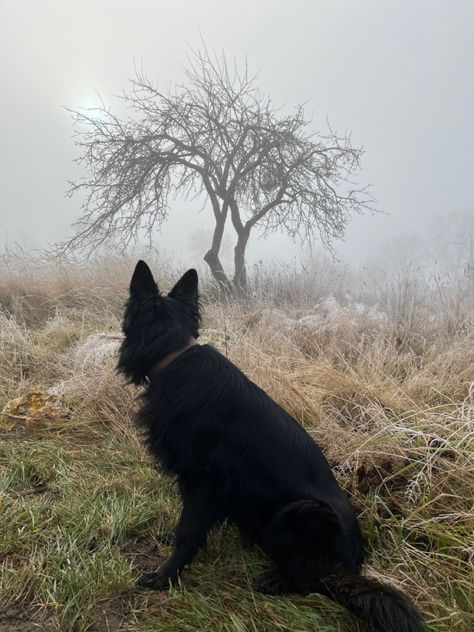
{"x":97,"y":350}
{"x":94,"y":357}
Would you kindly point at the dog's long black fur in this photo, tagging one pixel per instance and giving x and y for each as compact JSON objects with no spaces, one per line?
{"x":238,"y":456}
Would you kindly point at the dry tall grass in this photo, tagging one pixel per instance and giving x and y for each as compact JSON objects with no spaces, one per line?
{"x":381,"y":373}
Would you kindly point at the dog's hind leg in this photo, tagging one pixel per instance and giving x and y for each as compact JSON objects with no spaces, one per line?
{"x":198,"y":516}
{"x":300,"y":541}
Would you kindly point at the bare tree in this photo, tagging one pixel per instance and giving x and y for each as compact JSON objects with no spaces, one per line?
{"x":217,"y":137}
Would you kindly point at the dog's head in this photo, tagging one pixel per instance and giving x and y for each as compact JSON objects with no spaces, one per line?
{"x":154,"y":324}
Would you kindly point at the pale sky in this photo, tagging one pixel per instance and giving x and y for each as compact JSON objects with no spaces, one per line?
{"x":399,"y":74}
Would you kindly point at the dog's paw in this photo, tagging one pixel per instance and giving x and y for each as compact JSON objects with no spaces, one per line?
{"x":270,"y":583}
{"x":154,"y":581}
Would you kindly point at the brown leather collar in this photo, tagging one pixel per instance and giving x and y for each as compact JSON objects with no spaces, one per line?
{"x":158,"y":366}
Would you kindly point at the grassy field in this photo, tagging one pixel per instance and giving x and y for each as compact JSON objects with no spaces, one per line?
{"x":381,"y":373}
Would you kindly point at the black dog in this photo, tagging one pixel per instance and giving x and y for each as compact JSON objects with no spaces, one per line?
{"x":239,"y":456}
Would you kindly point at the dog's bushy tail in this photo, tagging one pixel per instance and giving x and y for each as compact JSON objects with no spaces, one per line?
{"x":384,"y":608}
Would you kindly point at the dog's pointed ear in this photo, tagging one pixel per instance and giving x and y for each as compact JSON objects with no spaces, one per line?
{"x":142,"y":281}
{"x":187,"y":287}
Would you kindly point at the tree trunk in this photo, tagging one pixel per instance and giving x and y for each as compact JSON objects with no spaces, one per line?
{"x":212,"y":260}
{"x":212,"y":257}
{"x":240,"y":271}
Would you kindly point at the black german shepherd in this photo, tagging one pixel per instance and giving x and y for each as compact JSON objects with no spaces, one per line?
{"x":237,"y":455}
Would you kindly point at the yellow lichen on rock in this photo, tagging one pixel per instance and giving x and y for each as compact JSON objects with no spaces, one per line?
{"x":36,"y":408}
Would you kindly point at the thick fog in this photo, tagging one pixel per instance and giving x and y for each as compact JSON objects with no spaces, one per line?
{"x":397,"y":74}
